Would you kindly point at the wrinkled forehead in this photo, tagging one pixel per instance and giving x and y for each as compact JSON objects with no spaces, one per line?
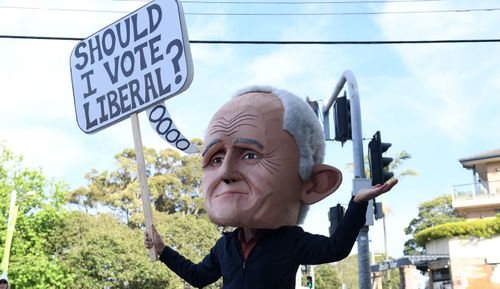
{"x":261,"y":105}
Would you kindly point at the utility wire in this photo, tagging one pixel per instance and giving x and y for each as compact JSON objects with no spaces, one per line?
{"x":265,"y":42}
{"x":345,"y":13}
{"x":273,"y":14}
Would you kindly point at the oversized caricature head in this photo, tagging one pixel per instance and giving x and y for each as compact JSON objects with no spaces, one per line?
{"x":262,"y":158}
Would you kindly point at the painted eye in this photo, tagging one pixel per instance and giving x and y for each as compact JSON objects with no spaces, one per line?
{"x":250,"y":156}
{"x":217,"y":160}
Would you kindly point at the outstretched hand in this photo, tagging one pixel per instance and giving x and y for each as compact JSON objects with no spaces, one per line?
{"x":155,"y":241}
{"x":375,"y":191}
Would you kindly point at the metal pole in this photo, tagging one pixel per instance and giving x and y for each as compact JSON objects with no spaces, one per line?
{"x":386,"y":251}
{"x":359,"y":164}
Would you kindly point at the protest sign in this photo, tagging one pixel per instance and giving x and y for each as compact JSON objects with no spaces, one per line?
{"x":142,"y":59}
{"x":135,"y":63}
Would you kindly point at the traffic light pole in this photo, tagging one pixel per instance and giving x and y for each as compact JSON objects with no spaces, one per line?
{"x":359,"y":164}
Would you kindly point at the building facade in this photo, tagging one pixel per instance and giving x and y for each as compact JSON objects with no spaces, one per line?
{"x":472,"y":263}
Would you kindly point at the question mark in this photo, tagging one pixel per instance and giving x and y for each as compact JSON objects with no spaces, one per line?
{"x":175,"y":59}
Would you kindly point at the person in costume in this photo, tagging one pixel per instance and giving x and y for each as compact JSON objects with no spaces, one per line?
{"x":261,"y":169}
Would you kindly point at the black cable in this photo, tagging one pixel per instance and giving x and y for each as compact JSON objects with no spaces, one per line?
{"x":273,"y":14}
{"x":265,"y":42}
{"x":344,"y":42}
{"x":345,"y":13}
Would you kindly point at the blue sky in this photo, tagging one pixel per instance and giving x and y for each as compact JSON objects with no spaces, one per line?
{"x":438,"y":102}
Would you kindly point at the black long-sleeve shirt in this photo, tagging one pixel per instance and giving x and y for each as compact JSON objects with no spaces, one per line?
{"x":274,"y":261}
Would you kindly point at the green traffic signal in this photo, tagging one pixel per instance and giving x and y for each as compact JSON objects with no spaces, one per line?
{"x":309,"y":282}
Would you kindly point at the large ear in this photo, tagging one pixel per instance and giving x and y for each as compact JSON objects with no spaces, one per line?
{"x":325,"y":180}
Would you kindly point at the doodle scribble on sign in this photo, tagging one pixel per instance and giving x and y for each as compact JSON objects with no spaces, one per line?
{"x":161,"y":122}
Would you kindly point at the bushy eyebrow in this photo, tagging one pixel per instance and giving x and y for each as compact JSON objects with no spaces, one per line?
{"x":211,"y":144}
{"x":244,"y":140}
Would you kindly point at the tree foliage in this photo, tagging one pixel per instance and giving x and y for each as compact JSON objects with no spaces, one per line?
{"x":326,"y":277}
{"x":430,"y":214}
{"x":482,"y":228}
{"x":101,"y":252}
{"x":56,"y":248}
{"x":32,"y":265}
{"x":347,"y":271}
{"x":174,"y":182}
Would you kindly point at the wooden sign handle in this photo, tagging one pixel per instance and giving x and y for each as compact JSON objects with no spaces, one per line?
{"x":141,"y":165}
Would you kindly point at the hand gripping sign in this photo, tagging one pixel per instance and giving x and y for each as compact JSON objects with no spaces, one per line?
{"x":135,"y":63}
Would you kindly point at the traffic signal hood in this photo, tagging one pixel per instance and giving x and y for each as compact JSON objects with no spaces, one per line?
{"x":343,"y":125}
{"x":335,"y":215}
{"x":379,"y":164}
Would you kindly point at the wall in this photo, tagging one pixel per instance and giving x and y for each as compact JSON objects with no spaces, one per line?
{"x":493,"y":175}
{"x":473,"y":261}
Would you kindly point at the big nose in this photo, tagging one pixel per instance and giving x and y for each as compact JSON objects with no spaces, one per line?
{"x":230,"y":170}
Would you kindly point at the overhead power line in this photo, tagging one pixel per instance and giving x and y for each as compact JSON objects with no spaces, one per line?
{"x":344,"y":13}
{"x":266,"y":42}
{"x":275,"y":14}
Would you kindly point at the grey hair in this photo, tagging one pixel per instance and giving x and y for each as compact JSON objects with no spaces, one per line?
{"x":302,"y":123}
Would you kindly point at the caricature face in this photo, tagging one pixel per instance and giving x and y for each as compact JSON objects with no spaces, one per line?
{"x":251,"y":164}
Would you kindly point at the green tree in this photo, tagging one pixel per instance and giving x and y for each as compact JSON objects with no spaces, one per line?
{"x":430,"y":213}
{"x":174,"y":182}
{"x":326,"y":277}
{"x":347,"y":271}
{"x":102,"y":252}
{"x":191,"y":236}
{"x":32,"y":264}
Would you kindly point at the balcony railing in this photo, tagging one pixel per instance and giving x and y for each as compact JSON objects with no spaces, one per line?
{"x":475,"y":191}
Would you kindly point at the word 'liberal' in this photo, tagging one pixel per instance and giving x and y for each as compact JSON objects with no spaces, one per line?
{"x":130,"y":65}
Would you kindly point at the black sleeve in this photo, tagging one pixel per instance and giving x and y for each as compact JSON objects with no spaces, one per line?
{"x":317,"y":249}
{"x":198,"y":275}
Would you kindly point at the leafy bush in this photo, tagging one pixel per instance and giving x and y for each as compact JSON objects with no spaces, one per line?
{"x":483,"y":228}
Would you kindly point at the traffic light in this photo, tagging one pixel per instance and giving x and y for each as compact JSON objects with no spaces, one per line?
{"x":379,"y":164}
{"x":343,"y":127}
{"x":309,"y":282}
{"x":335,"y":215}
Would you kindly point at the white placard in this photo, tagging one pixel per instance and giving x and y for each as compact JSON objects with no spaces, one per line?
{"x":140,"y":60}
